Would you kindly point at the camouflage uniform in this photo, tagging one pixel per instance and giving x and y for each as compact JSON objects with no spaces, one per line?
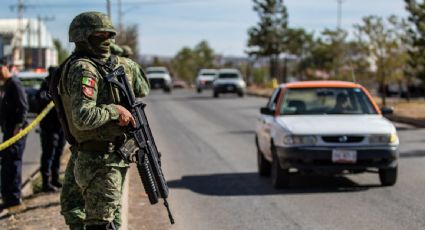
{"x":89,"y":103}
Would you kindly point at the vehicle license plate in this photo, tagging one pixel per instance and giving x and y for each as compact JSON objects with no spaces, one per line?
{"x":229,"y":87}
{"x":344,"y":156}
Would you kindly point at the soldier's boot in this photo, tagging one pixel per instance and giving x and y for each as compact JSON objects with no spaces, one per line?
{"x":47,"y":187}
{"x":107,"y":226}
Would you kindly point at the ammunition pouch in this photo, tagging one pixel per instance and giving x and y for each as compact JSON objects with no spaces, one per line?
{"x":128,"y":150}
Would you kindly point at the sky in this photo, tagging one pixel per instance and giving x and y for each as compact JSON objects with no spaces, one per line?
{"x":166,"y":26}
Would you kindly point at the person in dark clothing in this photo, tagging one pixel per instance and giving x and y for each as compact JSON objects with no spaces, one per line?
{"x":13,"y":112}
{"x":52,"y":140}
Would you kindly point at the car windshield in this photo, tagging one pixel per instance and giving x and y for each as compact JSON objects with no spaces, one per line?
{"x":33,"y":83}
{"x":156,"y":72}
{"x":228,"y":76}
{"x":315,"y":101}
{"x":208,"y":74}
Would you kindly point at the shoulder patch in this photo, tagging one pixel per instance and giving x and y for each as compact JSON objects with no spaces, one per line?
{"x":89,"y":81}
{"x":88,"y":91}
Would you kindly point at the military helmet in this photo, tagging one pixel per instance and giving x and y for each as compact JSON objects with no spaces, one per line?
{"x":84,"y":24}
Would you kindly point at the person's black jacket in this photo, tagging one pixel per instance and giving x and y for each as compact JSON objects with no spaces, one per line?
{"x":50,"y":123}
{"x":14,"y":105}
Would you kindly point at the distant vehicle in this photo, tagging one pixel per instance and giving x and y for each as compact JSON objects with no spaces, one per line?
{"x":179,"y":84}
{"x":32,"y":83}
{"x":159,"y":78}
{"x":229,"y":81}
{"x":330,"y":126}
{"x":205,"y":79}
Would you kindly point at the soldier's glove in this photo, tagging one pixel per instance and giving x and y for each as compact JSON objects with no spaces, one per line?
{"x":125,"y":116}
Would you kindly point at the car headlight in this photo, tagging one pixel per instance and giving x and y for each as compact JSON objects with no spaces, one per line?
{"x":383,"y":139}
{"x":299,"y":140}
{"x":241,"y":84}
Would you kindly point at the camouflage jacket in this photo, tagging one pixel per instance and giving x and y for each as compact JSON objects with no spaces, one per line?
{"x":89,"y":100}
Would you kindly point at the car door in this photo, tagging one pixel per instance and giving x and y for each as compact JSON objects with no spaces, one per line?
{"x":265,"y":124}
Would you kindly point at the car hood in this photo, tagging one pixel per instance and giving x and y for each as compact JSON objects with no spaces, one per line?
{"x":205,"y":78}
{"x":336,"y":124}
{"x":227,"y":81}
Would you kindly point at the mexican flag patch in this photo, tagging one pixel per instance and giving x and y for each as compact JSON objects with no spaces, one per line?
{"x":89,"y":81}
{"x":88,"y":91}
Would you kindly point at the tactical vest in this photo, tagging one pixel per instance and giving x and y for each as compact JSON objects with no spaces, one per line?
{"x":61,"y":97}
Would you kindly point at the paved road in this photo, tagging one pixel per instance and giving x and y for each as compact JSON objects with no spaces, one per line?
{"x":32,"y":154}
{"x":209,"y":159}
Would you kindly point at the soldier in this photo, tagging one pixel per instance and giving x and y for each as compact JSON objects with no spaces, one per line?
{"x":97,"y":121}
{"x":14,"y":108}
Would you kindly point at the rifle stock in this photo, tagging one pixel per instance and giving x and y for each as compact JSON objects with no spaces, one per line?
{"x":146,"y":155}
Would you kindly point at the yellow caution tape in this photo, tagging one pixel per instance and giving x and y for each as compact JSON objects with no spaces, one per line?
{"x":25,"y":131}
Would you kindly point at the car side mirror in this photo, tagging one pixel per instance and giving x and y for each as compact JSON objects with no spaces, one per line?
{"x":266,"y":111}
{"x":387,"y":111}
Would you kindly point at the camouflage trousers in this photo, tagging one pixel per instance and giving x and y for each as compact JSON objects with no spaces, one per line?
{"x":92,"y":191}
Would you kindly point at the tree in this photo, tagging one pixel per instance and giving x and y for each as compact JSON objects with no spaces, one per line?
{"x":268,"y":37}
{"x":328,"y":55}
{"x":204,"y":55}
{"x":62,"y":53}
{"x":383,"y":45}
{"x":188,"y":61}
{"x":184,"y":64}
{"x":299,"y":44}
{"x":416,"y":38}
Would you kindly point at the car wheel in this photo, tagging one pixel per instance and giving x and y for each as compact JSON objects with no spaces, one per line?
{"x":241,"y":94}
{"x":264,"y":167}
{"x":280,"y":177}
{"x":167,"y":89}
{"x":216,"y":94}
{"x":388,"y":177}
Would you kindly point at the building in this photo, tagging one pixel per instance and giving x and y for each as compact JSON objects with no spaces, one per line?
{"x":27,"y":43}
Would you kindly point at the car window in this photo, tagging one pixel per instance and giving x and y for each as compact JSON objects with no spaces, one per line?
{"x":156,"y":72}
{"x":228,"y":76}
{"x":326,"y":101}
{"x":271,"y":104}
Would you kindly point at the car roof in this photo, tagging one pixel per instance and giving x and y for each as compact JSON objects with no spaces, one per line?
{"x":31,"y":75}
{"x":207,"y":71}
{"x":320,"y":84}
{"x":229,"y":70}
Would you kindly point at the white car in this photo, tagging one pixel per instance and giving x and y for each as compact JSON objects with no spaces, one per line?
{"x":159,"y":77}
{"x":229,"y":81}
{"x":327,"y":127}
{"x":205,"y":79}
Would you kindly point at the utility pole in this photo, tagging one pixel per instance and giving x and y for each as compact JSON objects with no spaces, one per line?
{"x":108,"y":8}
{"x":20,"y":49}
{"x":40,"y":49}
{"x":339,"y":14}
{"x":120,"y":21}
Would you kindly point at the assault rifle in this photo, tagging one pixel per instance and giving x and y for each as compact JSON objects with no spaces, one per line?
{"x":139,"y":146}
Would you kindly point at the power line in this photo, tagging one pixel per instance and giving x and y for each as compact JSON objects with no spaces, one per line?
{"x":83,"y":5}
